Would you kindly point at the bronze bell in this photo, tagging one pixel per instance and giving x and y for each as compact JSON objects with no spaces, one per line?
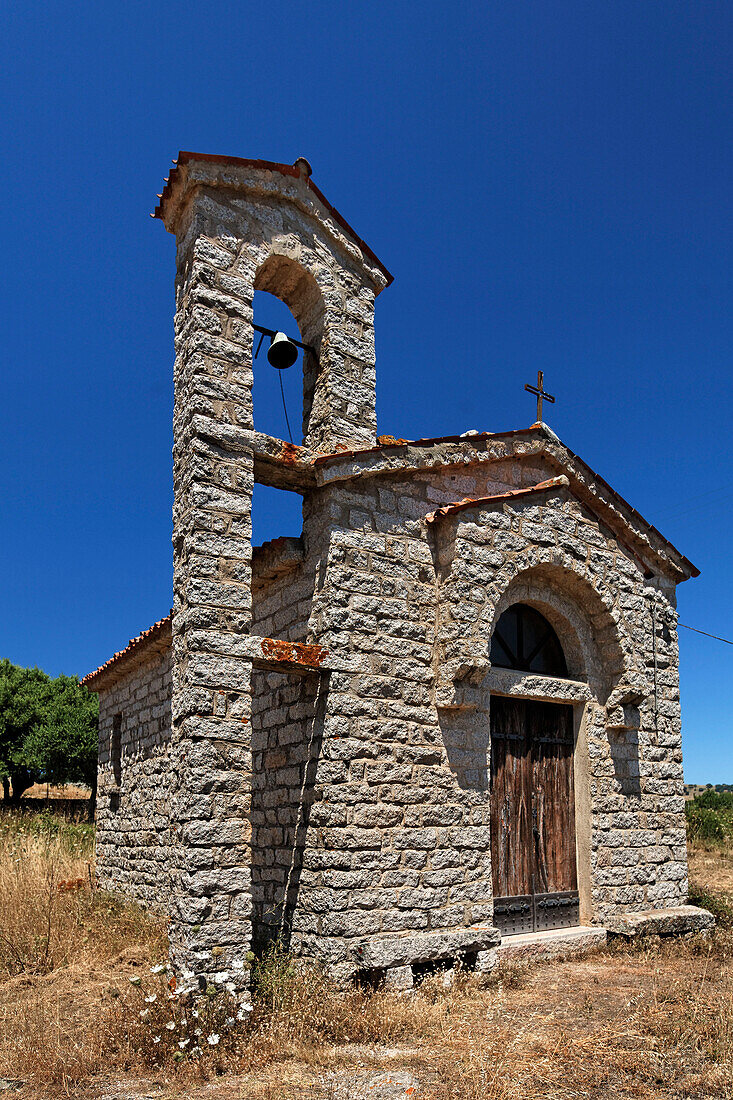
{"x":282,"y":352}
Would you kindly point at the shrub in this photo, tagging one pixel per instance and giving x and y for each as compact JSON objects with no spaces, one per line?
{"x":704,"y":826}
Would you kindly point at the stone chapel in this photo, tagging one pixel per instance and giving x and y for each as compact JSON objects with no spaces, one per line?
{"x":443,"y":718}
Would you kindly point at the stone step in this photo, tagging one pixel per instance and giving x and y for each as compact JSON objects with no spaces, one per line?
{"x":557,"y":943}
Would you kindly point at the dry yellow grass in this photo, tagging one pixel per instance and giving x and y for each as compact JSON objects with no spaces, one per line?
{"x":40,"y":791}
{"x":65,"y":950}
{"x":653,"y":1021}
{"x":711,"y":868}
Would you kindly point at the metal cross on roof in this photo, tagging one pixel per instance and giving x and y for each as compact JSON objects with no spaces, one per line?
{"x":541,"y":393}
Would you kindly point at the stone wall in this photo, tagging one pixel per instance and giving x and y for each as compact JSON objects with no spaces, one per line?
{"x":350,"y":808}
{"x":402,"y":843}
{"x":399,"y":845}
{"x":238,"y":229}
{"x":286,"y":738}
{"x":133,"y":826}
{"x":370,"y":825}
{"x":618,"y":629}
{"x":282,"y":589}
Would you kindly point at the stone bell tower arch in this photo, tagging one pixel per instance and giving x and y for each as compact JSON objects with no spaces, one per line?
{"x":241,"y":225}
{"x":246,"y":225}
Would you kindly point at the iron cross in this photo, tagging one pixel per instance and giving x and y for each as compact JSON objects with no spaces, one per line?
{"x":541,"y":393}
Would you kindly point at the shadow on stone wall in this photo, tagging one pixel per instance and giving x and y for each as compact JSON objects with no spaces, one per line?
{"x":466,"y":740}
{"x":287,"y":734}
{"x":625,"y":756}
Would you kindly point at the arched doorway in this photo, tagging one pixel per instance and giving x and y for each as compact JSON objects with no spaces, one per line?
{"x":533,"y":849}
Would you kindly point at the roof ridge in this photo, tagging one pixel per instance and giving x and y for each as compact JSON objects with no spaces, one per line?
{"x":186,"y":156}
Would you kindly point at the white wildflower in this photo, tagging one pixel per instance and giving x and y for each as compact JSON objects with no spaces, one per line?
{"x":156,"y":1038}
{"x":145,"y":1012}
{"x":171,"y":1025}
{"x":212,"y":1039}
{"x":153,"y":997}
{"x":243,"y":1010}
{"x":183,"y":1043}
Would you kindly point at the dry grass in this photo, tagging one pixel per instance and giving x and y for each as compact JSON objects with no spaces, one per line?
{"x":652,"y":1020}
{"x":65,"y":951}
{"x":40,"y":791}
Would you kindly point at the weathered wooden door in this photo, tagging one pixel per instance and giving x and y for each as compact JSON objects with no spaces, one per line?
{"x":532,"y":816}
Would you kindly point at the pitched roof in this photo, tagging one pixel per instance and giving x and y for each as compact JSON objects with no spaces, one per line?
{"x":525,"y":443}
{"x":157,"y":636}
{"x":292,"y":170}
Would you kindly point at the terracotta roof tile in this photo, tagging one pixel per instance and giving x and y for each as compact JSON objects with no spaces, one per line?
{"x":387,"y":441}
{"x":477,"y":502}
{"x":154,"y":633}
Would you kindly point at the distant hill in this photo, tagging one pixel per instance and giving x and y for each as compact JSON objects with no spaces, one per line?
{"x":694,"y":789}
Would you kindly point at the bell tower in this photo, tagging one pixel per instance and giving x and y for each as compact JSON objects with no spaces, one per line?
{"x":240,"y":226}
{"x":246,"y":225}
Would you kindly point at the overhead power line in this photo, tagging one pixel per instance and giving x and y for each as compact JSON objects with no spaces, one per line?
{"x":716,"y":636}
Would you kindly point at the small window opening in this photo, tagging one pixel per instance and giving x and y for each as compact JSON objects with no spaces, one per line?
{"x":115,"y":749}
{"x":524,"y":640}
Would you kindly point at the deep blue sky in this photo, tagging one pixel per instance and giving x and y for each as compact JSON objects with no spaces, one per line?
{"x":549,"y":183}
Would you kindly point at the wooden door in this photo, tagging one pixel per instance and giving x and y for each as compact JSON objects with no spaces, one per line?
{"x":532,"y":816}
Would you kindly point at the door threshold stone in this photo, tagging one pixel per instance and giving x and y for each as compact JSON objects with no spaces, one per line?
{"x":555,"y":943}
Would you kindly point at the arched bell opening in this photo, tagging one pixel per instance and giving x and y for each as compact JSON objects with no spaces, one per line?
{"x":277,"y":394}
{"x":287,"y":300}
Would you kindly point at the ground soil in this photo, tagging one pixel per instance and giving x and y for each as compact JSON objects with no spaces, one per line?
{"x":652,"y":1020}
{"x":571,"y":1030}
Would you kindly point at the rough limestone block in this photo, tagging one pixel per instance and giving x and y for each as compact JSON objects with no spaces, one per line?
{"x":487,"y":960}
{"x":382,"y":953}
{"x":679,"y":920}
{"x":561,"y":943}
{"x":398,"y":978}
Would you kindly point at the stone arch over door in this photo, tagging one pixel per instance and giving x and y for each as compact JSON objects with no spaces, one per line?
{"x":596,"y":662}
{"x":580,"y":614}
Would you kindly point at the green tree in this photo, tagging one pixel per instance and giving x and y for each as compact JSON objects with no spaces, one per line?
{"x":62,"y":746}
{"x":24,"y":695}
{"x":48,"y":730}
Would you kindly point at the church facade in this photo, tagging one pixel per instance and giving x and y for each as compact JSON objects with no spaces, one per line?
{"x":445,"y":715}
